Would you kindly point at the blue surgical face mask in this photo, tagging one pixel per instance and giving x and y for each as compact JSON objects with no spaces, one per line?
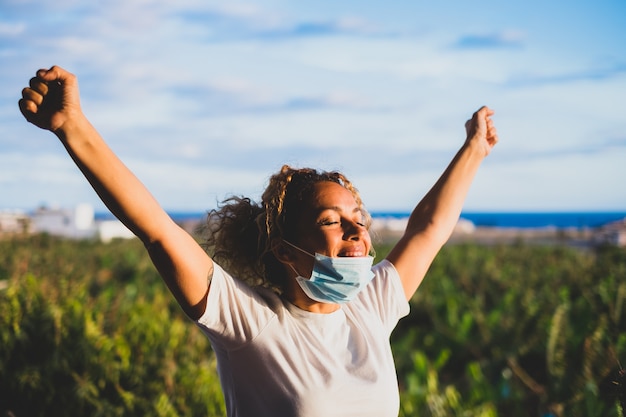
{"x":335,"y":280}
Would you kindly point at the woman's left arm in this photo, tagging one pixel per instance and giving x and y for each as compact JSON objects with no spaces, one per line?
{"x":432,"y":221}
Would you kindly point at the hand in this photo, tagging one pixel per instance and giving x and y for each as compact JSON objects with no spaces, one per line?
{"x":51,"y":99}
{"x":481,"y":131}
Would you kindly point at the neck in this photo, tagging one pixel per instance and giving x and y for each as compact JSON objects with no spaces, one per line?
{"x":294,"y":294}
{"x":316,"y":307}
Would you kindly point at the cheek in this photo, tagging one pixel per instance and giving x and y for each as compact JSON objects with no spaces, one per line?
{"x":368,"y":239}
{"x":329,"y":240}
{"x":318,"y":241}
{"x":326,"y":242}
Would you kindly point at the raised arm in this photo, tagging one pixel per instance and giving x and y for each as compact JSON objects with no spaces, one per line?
{"x":51,"y":102}
{"x":431,"y":223}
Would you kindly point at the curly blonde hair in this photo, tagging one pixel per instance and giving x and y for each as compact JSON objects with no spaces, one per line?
{"x":240,"y":233}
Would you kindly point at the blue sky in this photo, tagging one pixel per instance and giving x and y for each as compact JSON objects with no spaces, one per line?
{"x":205,"y":99}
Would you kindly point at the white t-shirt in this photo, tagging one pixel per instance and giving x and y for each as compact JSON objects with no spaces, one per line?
{"x":277,"y":360}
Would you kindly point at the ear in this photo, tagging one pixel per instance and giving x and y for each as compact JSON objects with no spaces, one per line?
{"x":283,"y":253}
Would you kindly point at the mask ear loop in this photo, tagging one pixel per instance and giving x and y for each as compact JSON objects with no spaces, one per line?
{"x":300,"y":249}
{"x":294,"y":270}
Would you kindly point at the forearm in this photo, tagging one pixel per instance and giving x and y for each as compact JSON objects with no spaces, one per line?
{"x":52,"y":102}
{"x":120,"y":190}
{"x":433,"y":219}
{"x":438,"y":212}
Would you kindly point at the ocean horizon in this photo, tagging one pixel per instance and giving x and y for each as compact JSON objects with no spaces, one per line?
{"x":526,"y":220}
{"x":504,"y":219}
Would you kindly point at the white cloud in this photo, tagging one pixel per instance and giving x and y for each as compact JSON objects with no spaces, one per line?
{"x":11,"y":30}
{"x":229,"y":91}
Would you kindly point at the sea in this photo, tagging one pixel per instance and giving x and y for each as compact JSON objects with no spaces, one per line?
{"x":521,"y":220}
{"x":531,"y":220}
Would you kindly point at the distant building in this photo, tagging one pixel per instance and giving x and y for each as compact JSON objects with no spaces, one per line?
{"x":77,"y":223}
{"x":74,"y":223}
{"x":612,"y":233}
{"x":113,"y":229}
{"x":14,"y":222}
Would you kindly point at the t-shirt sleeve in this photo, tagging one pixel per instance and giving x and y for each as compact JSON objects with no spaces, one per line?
{"x":386,"y":295}
{"x":235,"y":312}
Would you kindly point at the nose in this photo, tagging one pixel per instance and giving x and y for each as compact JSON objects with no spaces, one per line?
{"x":354,"y":230}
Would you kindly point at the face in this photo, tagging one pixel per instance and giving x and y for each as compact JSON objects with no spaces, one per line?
{"x":333,"y":224}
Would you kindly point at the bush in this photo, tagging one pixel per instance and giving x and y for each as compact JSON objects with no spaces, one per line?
{"x":516,"y":331}
{"x":88,"y":329}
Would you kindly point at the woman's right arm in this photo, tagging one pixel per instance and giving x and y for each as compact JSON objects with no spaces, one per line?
{"x":51,"y":102}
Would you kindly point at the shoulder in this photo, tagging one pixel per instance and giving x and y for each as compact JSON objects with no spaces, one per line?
{"x":386,"y":277}
{"x":384,"y":295}
{"x":236,"y":310}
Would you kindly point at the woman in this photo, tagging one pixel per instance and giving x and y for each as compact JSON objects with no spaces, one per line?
{"x":296,"y":314}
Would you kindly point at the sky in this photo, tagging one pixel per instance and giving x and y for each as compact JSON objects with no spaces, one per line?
{"x":206,"y":99}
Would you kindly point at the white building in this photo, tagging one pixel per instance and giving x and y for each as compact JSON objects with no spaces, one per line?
{"x":113,"y":229}
{"x":77,"y":223}
{"x":14,"y":222}
{"x":612,"y":233}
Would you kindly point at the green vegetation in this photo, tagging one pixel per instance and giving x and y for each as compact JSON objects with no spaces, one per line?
{"x":88,"y":329}
{"x":515,"y":331}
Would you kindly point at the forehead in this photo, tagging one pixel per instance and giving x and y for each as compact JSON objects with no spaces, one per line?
{"x":330,"y":195}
